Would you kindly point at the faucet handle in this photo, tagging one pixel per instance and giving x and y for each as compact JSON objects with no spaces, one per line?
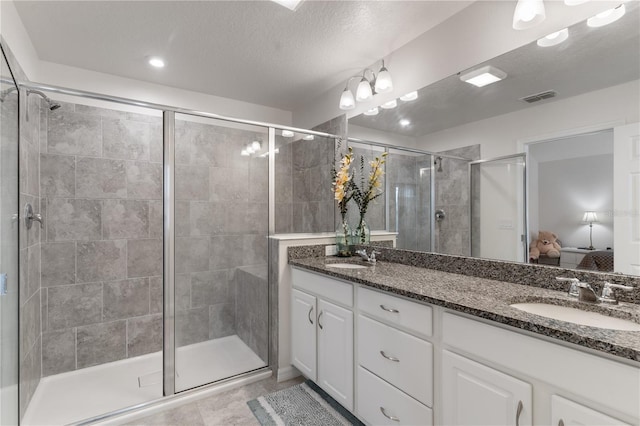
{"x":573,"y":288}
{"x":608,"y":292}
{"x":372,"y":257}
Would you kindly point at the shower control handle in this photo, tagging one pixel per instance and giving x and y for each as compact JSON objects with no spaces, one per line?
{"x":440,"y":215}
{"x":30,"y":216}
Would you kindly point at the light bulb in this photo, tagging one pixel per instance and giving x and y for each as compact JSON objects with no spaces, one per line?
{"x":287,"y":133}
{"x":404,"y":122}
{"x":156,"y":62}
{"x":244,"y":153}
{"x":255,"y":145}
{"x":308,"y":137}
{"x":372,"y":111}
{"x":391,"y":104}
{"x":411,"y":96}
{"x":346,"y":100}
{"x":363,"y":92}
{"x":384,"y":83}
{"x":250,"y":149}
{"x":528,"y":13}
{"x":554,"y":38}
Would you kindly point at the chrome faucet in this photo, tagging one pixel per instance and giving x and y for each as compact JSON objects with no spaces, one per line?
{"x":585,"y":293}
{"x":369,"y":258}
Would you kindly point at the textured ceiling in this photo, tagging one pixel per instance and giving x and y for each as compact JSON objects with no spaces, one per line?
{"x":591,"y":59}
{"x":254,"y":51}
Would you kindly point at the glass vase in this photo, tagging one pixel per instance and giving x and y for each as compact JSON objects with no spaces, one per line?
{"x":362,"y":234}
{"x":343,"y":239}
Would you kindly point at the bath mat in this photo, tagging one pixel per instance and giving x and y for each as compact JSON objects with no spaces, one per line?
{"x":303,"y":404}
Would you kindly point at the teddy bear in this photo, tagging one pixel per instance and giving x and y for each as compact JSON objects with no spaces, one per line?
{"x":545,"y":244}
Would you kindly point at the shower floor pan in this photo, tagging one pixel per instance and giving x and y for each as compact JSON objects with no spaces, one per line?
{"x":71,"y":397}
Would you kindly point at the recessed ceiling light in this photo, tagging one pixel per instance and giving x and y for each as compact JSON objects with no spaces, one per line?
{"x":308,"y":137}
{"x":404,"y":122}
{"x":554,"y":38}
{"x":483,"y":76}
{"x":411,"y":96}
{"x":372,"y":111}
{"x":156,"y":62}
{"x":391,"y":104}
{"x":287,"y":133}
{"x":292,"y":5}
{"x":607,"y":17}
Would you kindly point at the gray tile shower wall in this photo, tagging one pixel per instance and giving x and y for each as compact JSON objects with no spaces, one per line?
{"x":101,"y":257}
{"x":30,"y":289}
{"x":221,"y":231}
{"x":252,"y":308}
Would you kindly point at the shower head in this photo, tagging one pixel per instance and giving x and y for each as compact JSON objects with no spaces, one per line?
{"x":438,"y":162}
{"x":52,"y":105}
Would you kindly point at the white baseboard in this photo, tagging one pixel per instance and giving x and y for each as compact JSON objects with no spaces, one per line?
{"x":287,"y":373}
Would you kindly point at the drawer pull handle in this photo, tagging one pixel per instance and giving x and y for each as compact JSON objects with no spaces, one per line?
{"x":390,"y":358}
{"x":309,"y":315}
{"x":320,"y":325}
{"x":560,"y":422}
{"x":384,"y":308}
{"x":518,"y":412}
{"x":395,"y":419}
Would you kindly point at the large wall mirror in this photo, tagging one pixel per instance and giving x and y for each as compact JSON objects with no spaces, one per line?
{"x":553,"y":146}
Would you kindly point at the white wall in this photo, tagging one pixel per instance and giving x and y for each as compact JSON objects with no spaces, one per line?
{"x":44,"y":72}
{"x":567,"y":188}
{"x":476,"y":34}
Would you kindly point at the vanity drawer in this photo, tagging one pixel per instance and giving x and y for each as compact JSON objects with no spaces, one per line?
{"x":402,"y":313}
{"x":401,"y":359}
{"x":375,"y":395}
{"x":323,"y":286}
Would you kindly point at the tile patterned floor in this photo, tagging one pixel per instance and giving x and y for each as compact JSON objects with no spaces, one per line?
{"x":225,"y":409}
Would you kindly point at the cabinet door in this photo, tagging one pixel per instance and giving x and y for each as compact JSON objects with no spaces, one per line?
{"x":335,"y":352}
{"x":474,"y":394}
{"x":568,"y":413}
{"x":303,"y":333}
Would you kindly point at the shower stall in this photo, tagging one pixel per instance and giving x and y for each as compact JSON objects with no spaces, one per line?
{"x":144,"y":269}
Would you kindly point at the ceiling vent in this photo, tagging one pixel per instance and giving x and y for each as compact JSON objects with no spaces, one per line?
{"x":539,"y":96}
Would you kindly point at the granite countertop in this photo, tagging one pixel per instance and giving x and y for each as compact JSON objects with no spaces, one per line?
{"x":489,"y":299}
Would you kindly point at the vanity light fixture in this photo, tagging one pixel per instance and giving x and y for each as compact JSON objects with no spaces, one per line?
{"x":372,"y":111}
{"x":483,"y":76}
{"x":389,"y":105}
{"x":367,"y":87}
{"x":156,"y":62}
{"x":528,"y":13}
{"x":607,"y":17}
{"x":255,"y":145}
{"x":245,"y":153}
{"x":287,"y":134}
{"x":554,"y":38}
{"x":411,"y":96}
{"x":404,"y":122}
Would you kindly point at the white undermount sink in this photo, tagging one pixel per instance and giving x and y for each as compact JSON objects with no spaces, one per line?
{"x":345,"y":266}
{"x":577,"y":316}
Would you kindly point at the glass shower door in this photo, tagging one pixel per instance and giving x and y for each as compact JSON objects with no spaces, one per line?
{"x":8,"y":246}
{"x":221,"y":250}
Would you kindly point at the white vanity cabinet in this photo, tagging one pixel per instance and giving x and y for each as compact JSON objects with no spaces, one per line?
{"x":474,"y":394}
{"x":322,"y":333}
{"x":568,"y":413}
{"x":395,"y":362}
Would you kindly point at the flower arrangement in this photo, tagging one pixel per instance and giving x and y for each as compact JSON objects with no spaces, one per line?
{"x":370,"y":188}
{"x":342,"y":193}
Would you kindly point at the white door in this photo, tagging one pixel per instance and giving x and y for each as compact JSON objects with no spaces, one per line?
{"x":335,"y":352}
{"x":568,"y":413}
{"x":474,"y":394}
{"x":303,"y":333}
{"x":626,"y":199}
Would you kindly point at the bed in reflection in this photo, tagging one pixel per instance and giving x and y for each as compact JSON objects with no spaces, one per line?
{"x":597,"y":261}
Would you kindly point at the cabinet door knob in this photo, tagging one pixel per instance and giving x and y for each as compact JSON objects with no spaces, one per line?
{"x":309,"y":315}
{"x":319,"y":315}
{"x":390,"y":358}
{"x":518,"y":412}
{"x":384,"y":308}
{"x":395,"y":419}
